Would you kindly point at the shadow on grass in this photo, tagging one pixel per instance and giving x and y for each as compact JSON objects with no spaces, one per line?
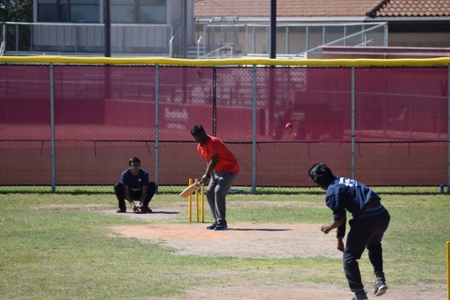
{"x":165,"y":212}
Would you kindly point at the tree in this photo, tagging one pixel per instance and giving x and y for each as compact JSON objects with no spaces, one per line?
{"x":16,"y":10}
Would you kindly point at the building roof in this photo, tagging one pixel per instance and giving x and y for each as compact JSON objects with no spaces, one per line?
{"x":415,"y":8}
{"x":322,"y":8}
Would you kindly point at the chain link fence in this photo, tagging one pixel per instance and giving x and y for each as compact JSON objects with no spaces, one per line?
{"x":78,"y":124}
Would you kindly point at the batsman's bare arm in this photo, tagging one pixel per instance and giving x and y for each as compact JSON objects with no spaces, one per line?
{"x":335,"y":224}
{"x":209,"y":168}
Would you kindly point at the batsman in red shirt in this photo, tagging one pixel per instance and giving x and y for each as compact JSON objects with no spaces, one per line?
{"x":221,"y":170}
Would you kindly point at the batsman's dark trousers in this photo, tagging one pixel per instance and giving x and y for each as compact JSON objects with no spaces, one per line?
{"x":218,"y":187}
{"x":119,"y":190}
{"x":366,"y":231}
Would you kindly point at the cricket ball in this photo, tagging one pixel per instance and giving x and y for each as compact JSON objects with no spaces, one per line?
{"x":288,"y":125}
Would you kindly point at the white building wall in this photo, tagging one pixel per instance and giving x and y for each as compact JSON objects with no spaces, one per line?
{"x":125,"y":38}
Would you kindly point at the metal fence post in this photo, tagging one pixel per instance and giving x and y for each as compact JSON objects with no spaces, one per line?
{"x":386,"y":32}
{"x":52,"y":128}
{"x":156,"y":122}
{"x":17,"y":38}
{"x":345,"y":35}
{"x":77,"y":34}
{"x":353,"y":124}
{"x":3,"y":41}
{"x":214,"y":103}
{"x":363,"y":36}
{"x":31,"y":37}
{"x":307,"y":38}
{"x":254,"y":131}
{"x":287,"y":39}
{"x":324,"y":35}
{"x":254,"y":40}
{"x":448,"y":128}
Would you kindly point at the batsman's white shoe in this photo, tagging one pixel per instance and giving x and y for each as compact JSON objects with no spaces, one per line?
{"x":380,"y":287}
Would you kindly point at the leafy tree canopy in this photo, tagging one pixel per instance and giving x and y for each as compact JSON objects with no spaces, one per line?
{"x":16,"y":10}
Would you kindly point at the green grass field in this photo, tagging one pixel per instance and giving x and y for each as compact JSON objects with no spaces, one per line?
{"x":67,"y":253}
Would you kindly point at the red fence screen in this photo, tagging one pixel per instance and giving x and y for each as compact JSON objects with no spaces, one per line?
{"x":103,"y":115}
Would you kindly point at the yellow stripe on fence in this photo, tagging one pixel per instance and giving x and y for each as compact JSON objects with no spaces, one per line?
{"x":400,"y":62}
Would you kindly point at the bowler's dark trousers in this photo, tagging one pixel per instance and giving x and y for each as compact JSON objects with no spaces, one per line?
{"x":366,"y":231}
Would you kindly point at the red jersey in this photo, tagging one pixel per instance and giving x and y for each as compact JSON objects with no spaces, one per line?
{"x":226,"y":162}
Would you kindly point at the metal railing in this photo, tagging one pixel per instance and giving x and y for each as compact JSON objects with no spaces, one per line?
{"x":253,"y":39}
{"x":198,"y":47}
{"x":177,"y":27}
{"x":230,"y":54}
{"x":344,"y":40}
{"x":164,"y":40}
{"x":81,"y":38}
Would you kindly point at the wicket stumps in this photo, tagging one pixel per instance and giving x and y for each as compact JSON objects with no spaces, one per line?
{"x":202,"y":199}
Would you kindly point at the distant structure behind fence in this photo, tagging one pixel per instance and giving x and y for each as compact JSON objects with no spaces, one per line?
{"x":218,"y":38}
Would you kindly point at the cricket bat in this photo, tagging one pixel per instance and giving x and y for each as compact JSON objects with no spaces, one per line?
{"x":190,"y":189}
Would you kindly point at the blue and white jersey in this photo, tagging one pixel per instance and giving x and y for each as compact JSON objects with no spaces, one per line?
{"x":345,"y":194}
{"x":135,"y":183}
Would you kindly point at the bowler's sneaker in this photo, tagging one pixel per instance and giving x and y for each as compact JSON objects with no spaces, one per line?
{"x":361,"y":296}
{"x":380,"y":286}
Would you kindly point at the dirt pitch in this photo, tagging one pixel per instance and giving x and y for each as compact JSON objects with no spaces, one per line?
{"x":253,"y":240}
